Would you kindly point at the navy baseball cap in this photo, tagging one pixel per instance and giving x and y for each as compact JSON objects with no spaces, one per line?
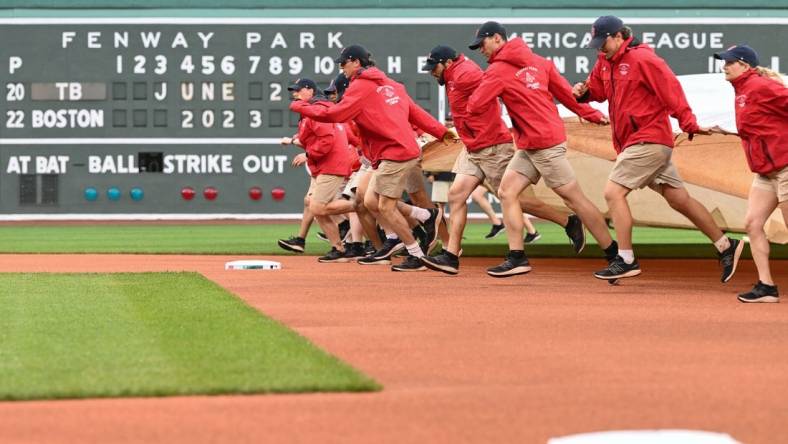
{"x":352,"y":52}
{"x":739,"y":52}
{"x":439,"y":54}
{"x":604,"y":27}
{"x":488,"y":29}
{"x":338,"y":85}
{"x":300,"y":84}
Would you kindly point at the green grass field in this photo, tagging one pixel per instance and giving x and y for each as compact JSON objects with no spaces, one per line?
{"x":149,"y":334}
{"x":241,"y":239}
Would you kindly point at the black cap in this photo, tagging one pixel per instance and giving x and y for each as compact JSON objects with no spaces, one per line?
{"x":300,"y":84}
{"x":739,"y":52}
{"x":604,"y":27}
{"x":488,"y":29}
{"x":338,"y":85}
{"x":439,"y":54}
{"x":353,"y":52}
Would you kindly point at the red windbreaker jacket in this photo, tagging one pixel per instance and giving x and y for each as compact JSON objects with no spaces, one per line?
{"x":326,"y":146}
{"x":383,"y":112}
{"x":527,"y":84}
{"x":480,"y":130}
{"x":762,"y":121}
{"x":642,"y":92}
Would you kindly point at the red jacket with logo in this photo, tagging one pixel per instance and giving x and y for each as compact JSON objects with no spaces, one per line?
{"x":527,"y":83}
{"x":326,"y":146}
{"x":642,"y":92}
{"x":383,"y":112}
{"x":480,"y":130}
{"x":762,"y":121}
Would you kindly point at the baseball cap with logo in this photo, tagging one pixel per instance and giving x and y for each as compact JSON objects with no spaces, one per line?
{"x":439,"y":54}
{"x":300,"y":84}
{"x":353,"y":52}
{"x":739,"y":52}
{"x":338,"y":85}
{"x":603,"y":28}
{"x":488,"y":29}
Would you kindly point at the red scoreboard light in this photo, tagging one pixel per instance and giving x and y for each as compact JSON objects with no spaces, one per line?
{"x":255,"y":193}
{"x":278,"y":193}
{"x":210,"y":193}
{"x":187,"y":193}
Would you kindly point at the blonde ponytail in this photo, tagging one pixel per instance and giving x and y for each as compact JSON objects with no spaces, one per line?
{"x":771,"y":74}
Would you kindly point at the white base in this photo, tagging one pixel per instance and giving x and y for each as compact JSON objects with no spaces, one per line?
{"x":252,"y":265}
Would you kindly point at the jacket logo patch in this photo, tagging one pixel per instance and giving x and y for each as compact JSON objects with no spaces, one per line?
{"x":451,"y":85}
{"x":741,"y":101}
{"x":623,"y":69}
{"x":388,"y":92}
{"x":529,"y":79}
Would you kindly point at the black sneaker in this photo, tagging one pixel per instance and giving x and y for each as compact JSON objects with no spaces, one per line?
{"x":729,"y":259}
{"x":431,"y":227}
{"x":333,"y":256}
{"x":354,"y":250}
{"x":411,"y":263}
{"x":576,"y":232}
{"x":761,"y":293}
{"x":495,"y":230}
{"x":322,"y":236}
{"x":421,"y":237}
{"x":369,"y":248}
{"x":618,"y":269}
{"x":513,"y":265}
{"x":444,"y":262}
{"x":390,"y":247}
{"x":294,"y":243}
{"x":532,"y":237}
{"x":372,"y":260}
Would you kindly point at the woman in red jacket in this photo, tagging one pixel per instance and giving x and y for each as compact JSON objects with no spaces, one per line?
{"x":762,"y":121}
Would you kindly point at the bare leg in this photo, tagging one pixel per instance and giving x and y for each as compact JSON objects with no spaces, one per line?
{"x":364,"y":215}
{"x":306,"y":219}
{"x":616,"y":197}
{"x":512,"y":184}
{"x":760,"y":206}
{"x":535,"y":206}
{"x":479,"y":195}
{"x":680,"y":200}
{"x":356,"y":229}
{"x":385,"y":209}
{"x":529,"y":227}
{"x":462,"y":187}
{"x":592,"y":218}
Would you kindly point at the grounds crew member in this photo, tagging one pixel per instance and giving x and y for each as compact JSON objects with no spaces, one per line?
{"x":330,"y":160}
{"x":383,"y":112}
{"x":527,"y":84}
{"x":761,"y":106}
{"x":489,"y":149}
{"x":642,"y":93}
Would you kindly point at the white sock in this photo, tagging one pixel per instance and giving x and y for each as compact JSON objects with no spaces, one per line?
{"x":627,"y":255}
{"x":414,"y":250}
{"x":419,"y":214}
{"x":391,"y":235}
{"x":722,"y":244}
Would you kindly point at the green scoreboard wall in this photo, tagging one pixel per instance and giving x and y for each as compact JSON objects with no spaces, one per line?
{"x":94,"y":107}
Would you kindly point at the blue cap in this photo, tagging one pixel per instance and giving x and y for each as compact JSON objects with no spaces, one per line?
{"x":603,"y":28}
{"x":439,"y":54}
{"x":739,"y":52}
{"x":353,"y":52}
{"x":338,"y":85}
{"x":488,"y":29}
{"x":300,"y":84}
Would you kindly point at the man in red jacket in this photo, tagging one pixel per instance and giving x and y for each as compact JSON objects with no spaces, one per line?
{"x":527,"y":84}
{"x":489,"y":149}
{"x":383,"y":112}
{"x":642,"y":93}
{"x":330,"y":160}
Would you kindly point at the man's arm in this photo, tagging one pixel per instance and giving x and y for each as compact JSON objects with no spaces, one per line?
{"x":422,"y":119}
{"x":666,"y":86}
{"x":490,"y":87}
{"x":560,"y":89}
{"x":347,"y":109}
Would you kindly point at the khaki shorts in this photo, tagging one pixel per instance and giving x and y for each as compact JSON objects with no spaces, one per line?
{"x":487,"y":165}
{"x":646,"y":164}
{"x":440,"y":191}
{"x":414,"y":182}
{"x":391,"y":178}
{"x":352,"y":183}
{"x":776,"y":182}
{"x":327,"y":188}
{"x":549,"y":163}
